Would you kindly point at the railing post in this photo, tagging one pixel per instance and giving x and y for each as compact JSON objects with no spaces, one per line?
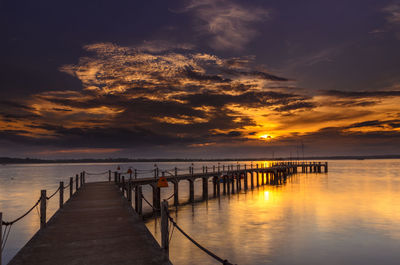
{"x":176,"y":171}
{"x":164,"y":228}
{"x":135,"y":173}
{"x":109,"y":175}
{"x":139,"y":202}
{"x":61,"y":194}
{"x":176,"y":192}
{"x":76,"y":182}
{"x":71,"y":186}
{"x":1,"y":233}
{"x":43,"y":209}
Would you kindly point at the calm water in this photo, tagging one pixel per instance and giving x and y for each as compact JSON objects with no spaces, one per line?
{"x":349,"y":216}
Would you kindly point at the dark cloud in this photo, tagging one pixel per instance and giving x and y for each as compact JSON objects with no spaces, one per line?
{"x":362,"y":94}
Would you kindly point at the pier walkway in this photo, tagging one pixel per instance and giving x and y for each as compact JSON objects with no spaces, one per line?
{"x":97,"y":226}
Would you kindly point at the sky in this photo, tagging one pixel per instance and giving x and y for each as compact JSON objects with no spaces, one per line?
{"x":199,"y":79}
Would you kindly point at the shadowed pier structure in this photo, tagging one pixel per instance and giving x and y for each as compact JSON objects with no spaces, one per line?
{"x":96,"y":226}
{"x":232,"y":178}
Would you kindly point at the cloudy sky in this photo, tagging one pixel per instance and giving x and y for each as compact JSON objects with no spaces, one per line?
{"x":204,"y":78}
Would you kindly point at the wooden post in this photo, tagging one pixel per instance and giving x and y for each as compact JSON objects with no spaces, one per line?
{"x":61,"y":194}
{"x":326,"y":167}
{"x":1,"y":234}
{"x":224,"y":185}
{"x":84,"y":177}
{"x":139,"y":202}
{"x":156,"y":197}
{"x":233,"y":183}
{"x":164,"y":228}
{"x":115,"y":177}
{"x":71,"y":187}
{"x":218,"y":187}
{"x":176,"y":192}
{"x":123,"y":185}
{"x":136,"y":197}
{"x":76,"y":182}
{"x":81,"y":179}
{"x":205,"y":188}
{"x":109,"y":175}
{"x":191,"y":190}
{"x":129,"y":193}
{"x":214,"y":180}
{"x":135,"y":173}
{"x":43,"y":209}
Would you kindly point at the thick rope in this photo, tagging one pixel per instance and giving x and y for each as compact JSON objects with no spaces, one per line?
{"x":223,"y":261}
{"x":51,"y":196}
{"x":22,"y":216}
{"x":172,"y":195}
{"x":148,"y":203}
{"x":100,"y":173}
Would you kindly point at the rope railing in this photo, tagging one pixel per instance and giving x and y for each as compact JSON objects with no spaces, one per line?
{"x":144,"y":198}
{"x":51,"y":196}
{"x":97,"y":173}
{"x":22,"y":216}
{"x":210,"y":253}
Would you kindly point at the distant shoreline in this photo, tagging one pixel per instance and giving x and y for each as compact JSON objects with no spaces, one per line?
{"x":9,"y":160}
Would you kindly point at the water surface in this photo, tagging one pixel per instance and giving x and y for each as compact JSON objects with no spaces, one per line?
{"x":349,"y":216}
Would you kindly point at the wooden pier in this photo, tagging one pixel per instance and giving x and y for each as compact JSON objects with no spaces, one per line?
{"x":226,"y":180}
{"x":99,"y":226}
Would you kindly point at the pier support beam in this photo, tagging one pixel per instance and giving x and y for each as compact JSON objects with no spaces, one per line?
{"x":191,"y":190}
{"x":205,"y":188}
{"x":61,"y":195}
{"x":164,"y":228}
{"x":246,"y":187}
{"x":176,"y":192}
{"x":43,"y":199}
{"x":156,"y":197}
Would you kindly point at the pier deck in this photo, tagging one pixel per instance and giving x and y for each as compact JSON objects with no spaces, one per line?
{"x":97,"y":226}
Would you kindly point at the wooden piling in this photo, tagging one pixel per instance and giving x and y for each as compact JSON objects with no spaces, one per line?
{"x":224,"y":184}
{"x":164,"y":228}
{"x":214,"y":180}
{"x":156,"y":197}
{"x":76,"y":182}
{"x":43,"y":199}
{"x":139,"y":196}
{"x":191,"y":190}
{"x":61,"y":194}
{"x":205,"y":188}
{"x":71,"y":187}
{"x":129,"y":193}
{"x":218,"y":188}
{"x":136,"y":189}
{"x":176,"y":193}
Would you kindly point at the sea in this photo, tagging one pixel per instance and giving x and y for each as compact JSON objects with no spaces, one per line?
{"x":348,"y":216}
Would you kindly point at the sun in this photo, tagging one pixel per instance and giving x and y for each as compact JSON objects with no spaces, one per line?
{"x":266,"y":137}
